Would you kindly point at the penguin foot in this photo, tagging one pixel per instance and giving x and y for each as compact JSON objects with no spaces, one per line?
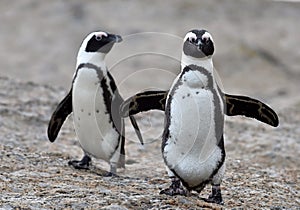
{"x":110,"y":174}
{"x":175,"y":188}
{"x":84,"y":163}
{"x":113,"y":171}
{"x":172,"y":191}
{"x":215,"y":196}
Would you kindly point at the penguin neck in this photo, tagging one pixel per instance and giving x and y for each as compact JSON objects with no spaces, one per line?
{"x":205,"y":62}
{"x":96,"y":58}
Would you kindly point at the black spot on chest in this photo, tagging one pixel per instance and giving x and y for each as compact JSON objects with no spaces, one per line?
{"x":218,"y":117}
{"x":111,"y":96}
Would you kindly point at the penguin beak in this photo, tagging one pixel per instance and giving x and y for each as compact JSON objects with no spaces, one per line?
{"x":199,"y":43}
{"x":114,"y":38}
{"x":118,"y":38}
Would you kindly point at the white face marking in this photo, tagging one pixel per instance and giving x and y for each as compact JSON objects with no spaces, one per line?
{"x":206,"y":36}
{"x":88,"y":37}
{"x":100,"y":34}
{"x":190,"y":36}
{"x":85,"y":41}
{"x":90,"y":57}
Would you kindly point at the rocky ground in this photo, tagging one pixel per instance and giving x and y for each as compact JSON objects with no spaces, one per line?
{"x":257,"y":54}
{"x":262,"y":164}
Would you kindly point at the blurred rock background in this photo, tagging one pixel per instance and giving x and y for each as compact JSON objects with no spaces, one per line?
{"x":257,"y":42}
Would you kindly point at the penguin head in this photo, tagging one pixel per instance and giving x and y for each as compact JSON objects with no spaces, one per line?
{"x":95,"y":47}
{"x":198,"y":44}
{"x":99,"y":42}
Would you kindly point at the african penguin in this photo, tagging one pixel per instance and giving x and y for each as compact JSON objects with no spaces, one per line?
{"x":193,"y":144}
{"x":95,"y":101}
{"x":234,"y":105}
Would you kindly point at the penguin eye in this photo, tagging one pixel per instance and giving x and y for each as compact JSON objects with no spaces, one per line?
{"x":205,"y":40}
{"x":98,"y":38}
{"x":192,"y":39}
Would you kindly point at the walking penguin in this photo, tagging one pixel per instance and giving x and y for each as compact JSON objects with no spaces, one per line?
{"x":94,"y":100}
{"x":192,"y":142}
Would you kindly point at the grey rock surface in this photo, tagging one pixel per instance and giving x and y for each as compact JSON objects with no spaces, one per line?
{"x":262,"y":162}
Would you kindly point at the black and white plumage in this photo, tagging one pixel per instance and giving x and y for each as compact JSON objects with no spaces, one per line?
{"x":193,"y":144}
{"x":235,"y":105}
{"x":194,"y":108}
{"x":95,"y":101}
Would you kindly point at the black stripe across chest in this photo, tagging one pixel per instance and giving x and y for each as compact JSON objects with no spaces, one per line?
{"x":109,"y":89}
{"x":209,"y":86}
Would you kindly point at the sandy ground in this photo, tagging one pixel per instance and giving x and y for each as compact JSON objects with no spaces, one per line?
{"x":257,"y":54}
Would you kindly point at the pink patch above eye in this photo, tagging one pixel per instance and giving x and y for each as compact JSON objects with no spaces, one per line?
{"x":100,"y":34}
{"x":206,"y":36}
{"x":190,"y":36}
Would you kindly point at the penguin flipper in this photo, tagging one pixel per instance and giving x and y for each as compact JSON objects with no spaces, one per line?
{"x":121,"y":163}
{"x":58,"y":117}
{"x":250,"y":107}
{"x":144,"y":101}
{"x":235,"y":105}
{"x":136,"y":128}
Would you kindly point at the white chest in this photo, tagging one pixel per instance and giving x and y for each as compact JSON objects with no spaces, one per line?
{"x":194,"y":80}
{"x":91,"y":120}
{"x":191,"y":149}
